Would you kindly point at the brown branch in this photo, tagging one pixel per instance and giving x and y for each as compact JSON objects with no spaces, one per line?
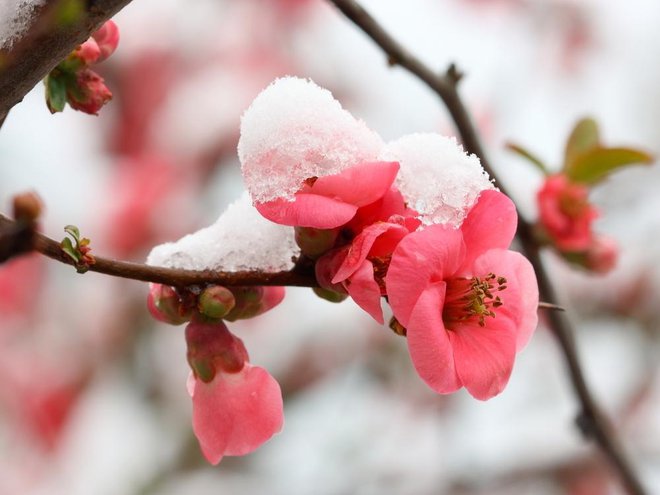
{"x":45,"y":44}
{"x":298,"y":277}
{"x":591,"y":419}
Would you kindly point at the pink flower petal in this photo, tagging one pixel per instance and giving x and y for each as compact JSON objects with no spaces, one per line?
{"x":421,"y":258}
{"x":308,"y":210}
{"x":520,"y":298}
{"x":484,"y":356}
{"x":428,"y":342}
{"x":491,"y":223}
{"x":236,"y":412}
{"x":365,"y":291}
{"x":359,"y":185}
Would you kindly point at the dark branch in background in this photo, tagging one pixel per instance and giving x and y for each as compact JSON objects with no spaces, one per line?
{"x":591,"y":419}
{"x":300,"y":276}
{"x":46,"y":43}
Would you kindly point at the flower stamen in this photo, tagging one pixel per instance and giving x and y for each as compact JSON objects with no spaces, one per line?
{"x":472,"y":298}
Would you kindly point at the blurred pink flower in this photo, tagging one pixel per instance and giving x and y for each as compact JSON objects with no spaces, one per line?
{"x":236,"y":407}
{"x":467,"y":303}
{"x":602,"y":255}
{"x":565,"y":213}
{"x":333,"y":200}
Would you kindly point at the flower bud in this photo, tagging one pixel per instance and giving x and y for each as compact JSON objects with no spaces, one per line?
{"x":27,"y":207}
{"x":330,"y":295}
{"x":315,"y":242}
{"x":216,"y":301}
{"x":212,"y":348}
{"x":165,"y":305}
{"x":87,"y":53}
{"x":107,"y":38}
{"x":253,"y":301}
{"x":89,"y":92}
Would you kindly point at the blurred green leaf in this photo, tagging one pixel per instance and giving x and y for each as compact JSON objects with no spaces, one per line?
{"x":55,"y":93}
{"x":584,"y":137}
{"x":68,"y":248}
{"x":69,"y":12}
{"x":528,"y":156}
{"x":596,"y":164}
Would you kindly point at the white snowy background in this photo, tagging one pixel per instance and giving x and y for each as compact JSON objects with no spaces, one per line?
{"x":357,"y":418}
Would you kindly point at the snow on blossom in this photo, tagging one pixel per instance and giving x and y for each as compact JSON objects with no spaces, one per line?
{"x":15,"y":18}
{"x":468,"y":304}
{"x":437,"y":178}
{"x":240,"y":239}
{"x":293,"y":131}
{"x":333,"y":200}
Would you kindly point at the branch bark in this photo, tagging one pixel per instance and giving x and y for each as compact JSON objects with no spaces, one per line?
{"x":45,"y":44}
{"x":591,"y":420}
{"x":300,"y":276}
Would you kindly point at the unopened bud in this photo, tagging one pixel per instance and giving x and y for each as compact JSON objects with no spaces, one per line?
{"x":212,"y":348}
{"x":27,"y":207}
{"x":165,"y":305}
{"x":86,"y":54}
{"x":253,"y":301}
{"x":216,"y":301}
{"x":107,"y":38}
{"x":315,"y":242}
{"x":330,"y":295}
{"x":89,"y":92}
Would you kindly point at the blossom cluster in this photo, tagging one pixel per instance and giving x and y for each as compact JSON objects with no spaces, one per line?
{"x":566,"y":215}
{"x":414,"y":222}
{"x":74,"y":82}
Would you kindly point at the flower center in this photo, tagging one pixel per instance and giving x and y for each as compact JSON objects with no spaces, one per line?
{"x":472,"y":299}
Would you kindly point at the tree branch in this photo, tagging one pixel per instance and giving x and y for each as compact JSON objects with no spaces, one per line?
{"x":300,"y":276}
{"x":46,"y":44}
{"x":591,"y":419}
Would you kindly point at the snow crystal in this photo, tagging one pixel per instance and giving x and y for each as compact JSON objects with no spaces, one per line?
{"x":241,"y":239}
{"x":295,"y":130}
{"x":437,"y":178}
{"x":15,"y":18}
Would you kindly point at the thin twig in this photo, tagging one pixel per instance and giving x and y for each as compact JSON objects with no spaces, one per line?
{"x":298,"y":277}
{"x":591,"y":419}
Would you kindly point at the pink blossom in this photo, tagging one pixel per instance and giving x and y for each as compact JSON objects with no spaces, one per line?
{"x":236,"y":407}
{"x":565,"y":213}
{"x":362,"y":265}
{"x":602,"y":255}
{"x":467,"y":303}
{"x":331,"y":201}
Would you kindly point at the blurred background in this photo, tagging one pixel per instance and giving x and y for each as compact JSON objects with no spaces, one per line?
{"x":93,"y":397}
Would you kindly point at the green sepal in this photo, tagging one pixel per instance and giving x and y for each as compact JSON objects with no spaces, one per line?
{"x":55,"y":93}
{"x":529,"y":156}
{"x":329,"y":295}
{"x":583,"y":138}
{"x":69,"y":249}
{"x":596,"y":164}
